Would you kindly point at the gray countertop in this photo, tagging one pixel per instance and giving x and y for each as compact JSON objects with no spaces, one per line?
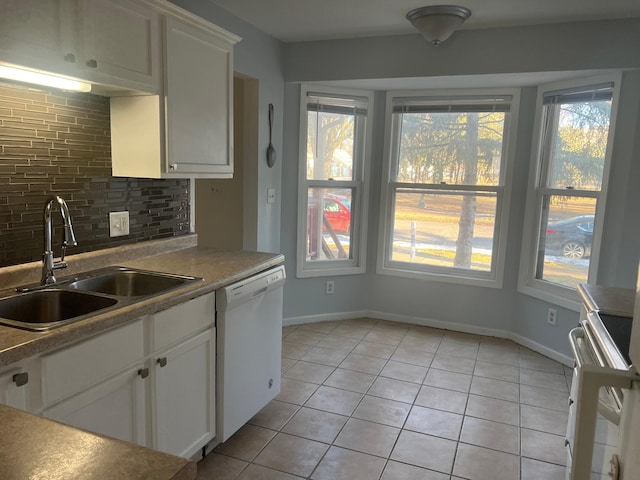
{"x":33,"y":447}
{"x":608,"y":300}
{"x":218,"y":268}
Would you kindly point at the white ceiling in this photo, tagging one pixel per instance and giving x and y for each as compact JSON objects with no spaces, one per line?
{"x":303,"y":20}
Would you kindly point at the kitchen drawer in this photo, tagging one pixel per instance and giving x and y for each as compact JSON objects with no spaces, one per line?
{"x":83,"y":365}
{"x":183,"y":320}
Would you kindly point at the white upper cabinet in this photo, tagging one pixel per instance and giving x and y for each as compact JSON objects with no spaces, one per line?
{"x":109,"y":42}
{"x":120,"y":43}
{"x":187,"y":132}
{"x":199,"y":91}
{"x":36,"y":33}
{"x":169,"y":74}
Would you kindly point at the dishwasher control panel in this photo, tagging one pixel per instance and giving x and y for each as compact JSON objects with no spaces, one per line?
{"x":257,"y":284}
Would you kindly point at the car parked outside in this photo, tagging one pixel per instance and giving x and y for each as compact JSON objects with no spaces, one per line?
{"x":337,"y":212}
{"x":570,"y":238}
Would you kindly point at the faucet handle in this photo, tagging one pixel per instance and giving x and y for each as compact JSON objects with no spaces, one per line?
{"x":63,"y":252}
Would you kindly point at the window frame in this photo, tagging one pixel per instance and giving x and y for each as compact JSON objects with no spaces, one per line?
{"x":528,"y":284}
{"x":493,"y":278}
{"x":359,"y":185}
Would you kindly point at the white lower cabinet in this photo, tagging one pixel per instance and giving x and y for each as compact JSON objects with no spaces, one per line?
{"x":150,"y":382}
{"x":184,"y":396}
{"x":116,"y":408}
{"x":13,"y":387}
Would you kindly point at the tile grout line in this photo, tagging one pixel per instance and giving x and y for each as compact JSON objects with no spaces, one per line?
{"x":429,"y":367}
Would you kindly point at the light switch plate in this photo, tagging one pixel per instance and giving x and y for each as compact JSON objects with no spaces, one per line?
{"x":118,"y":224}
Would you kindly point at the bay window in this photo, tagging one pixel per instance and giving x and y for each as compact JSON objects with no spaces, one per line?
{"x":334,"y":148}
{"x":566,"y":197}
{"x":446,"y":185}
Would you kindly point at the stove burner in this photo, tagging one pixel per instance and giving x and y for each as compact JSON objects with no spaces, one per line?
{"x":619,"y":329}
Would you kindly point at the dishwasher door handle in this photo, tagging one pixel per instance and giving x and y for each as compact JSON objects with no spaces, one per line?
{"x":259,"y":292}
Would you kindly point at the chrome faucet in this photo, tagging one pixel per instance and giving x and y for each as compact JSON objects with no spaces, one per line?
{"x":48,"y":265}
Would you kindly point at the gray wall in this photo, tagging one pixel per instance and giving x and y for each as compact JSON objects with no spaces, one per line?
{"x":555,"y":48}
{"x":534,"y":49}
{"x":558,"y":47}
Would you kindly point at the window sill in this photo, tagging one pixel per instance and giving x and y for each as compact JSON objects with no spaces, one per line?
{"x":439,"y":277}
{"x":569,"y":300}
{"x":329,"y":271}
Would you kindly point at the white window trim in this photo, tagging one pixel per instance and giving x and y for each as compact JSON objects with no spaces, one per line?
{"x":359,"y":208}
{"x":493,"y":279}
{"x":527,"y":283}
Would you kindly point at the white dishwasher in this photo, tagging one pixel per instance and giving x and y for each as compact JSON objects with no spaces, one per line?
{"x":248,"y":348}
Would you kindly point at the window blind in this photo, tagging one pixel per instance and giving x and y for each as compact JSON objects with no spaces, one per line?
{"x":589,"y":93}
{"x":339,"y":104}
{"x":461,"y":104}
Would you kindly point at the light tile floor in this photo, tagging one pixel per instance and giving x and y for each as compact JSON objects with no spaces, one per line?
{"x":369,"y":399}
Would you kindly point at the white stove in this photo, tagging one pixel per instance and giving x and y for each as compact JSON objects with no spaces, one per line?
{"x":602,"y":416}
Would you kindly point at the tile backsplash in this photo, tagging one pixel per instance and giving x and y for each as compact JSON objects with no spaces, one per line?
{"x":58,"y":143}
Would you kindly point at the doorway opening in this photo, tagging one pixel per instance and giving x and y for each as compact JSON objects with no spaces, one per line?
{"x":226,"y":209}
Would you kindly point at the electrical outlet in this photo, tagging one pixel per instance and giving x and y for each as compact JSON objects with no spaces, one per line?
{"x":552,"y":315}
{"x":328,"y":288}
{"x":118,"y":224}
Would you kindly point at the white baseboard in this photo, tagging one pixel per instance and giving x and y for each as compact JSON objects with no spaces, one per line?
{"x":538,"y":347}
{"x":324,"y":317}
{"x":430,"y":322}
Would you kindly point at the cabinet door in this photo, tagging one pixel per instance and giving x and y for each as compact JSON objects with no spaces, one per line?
{"x":36,"y":33}
{"x":116,"y":408}
{"x":184,"y":416}
{"x":13,"y":389}
{"x":120,"y":40}
{"x":199,"y":101}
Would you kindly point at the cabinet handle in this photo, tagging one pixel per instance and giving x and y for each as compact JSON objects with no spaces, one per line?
{"x":143,"y":372}
{"x":70,"y":57}
{"x":21,"y":379}
{"x":92,"y":63}
{"x":162,"y":361}
{"x":570,"y":401}
{"x":173,"y":167}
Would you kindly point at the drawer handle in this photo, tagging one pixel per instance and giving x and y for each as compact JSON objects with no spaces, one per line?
{"x":21,"y":379}
{"x":70,"y":57}
{"x":570,"y":401}
{"x":566,"y":442}
{"x":162,"y":361}
{"x":92,"y":63}
{"x":143,"y":372}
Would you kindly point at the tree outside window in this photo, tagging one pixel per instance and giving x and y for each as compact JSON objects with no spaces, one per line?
{"x":573,"y":157}
{"x":447,"y":184}
{"x":332,"y":184}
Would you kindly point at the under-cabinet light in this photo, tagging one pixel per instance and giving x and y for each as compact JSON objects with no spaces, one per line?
{"x":45,"y":79}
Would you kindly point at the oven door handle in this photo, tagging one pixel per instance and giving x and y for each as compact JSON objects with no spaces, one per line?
{"x":577,"y":339}
{"x":576,"y":335}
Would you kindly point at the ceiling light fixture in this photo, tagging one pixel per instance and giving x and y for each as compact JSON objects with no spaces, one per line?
{"x":436,"y":23}
{"x":44,"y":79}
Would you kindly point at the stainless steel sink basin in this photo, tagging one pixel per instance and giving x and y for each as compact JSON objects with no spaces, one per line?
{"x":46,"y":307}
{"x":131,"y":283}
{"x":51,"y":307}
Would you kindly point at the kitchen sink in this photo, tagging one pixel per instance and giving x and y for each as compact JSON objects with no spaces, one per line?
{"x":50,"y":307}
{"x":131,"y":283}
{"x":42,"y":308}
